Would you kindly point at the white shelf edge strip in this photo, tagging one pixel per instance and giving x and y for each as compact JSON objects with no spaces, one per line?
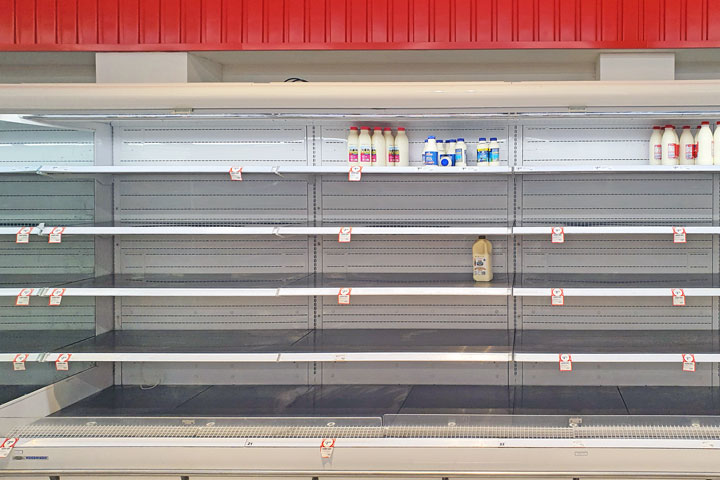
{"x":266,"y":230}
{"x":614,"y":292}
{"x":225,"y":169}
{"x":359,"y":291}
{"x":280,"y":357}
{"x":311,"y":443}
{"x":608,"y":230}
{"x":615,"y":357}
{"x":269,"y":230}
{"x":270,"y":357}
{"x":340,"y":169}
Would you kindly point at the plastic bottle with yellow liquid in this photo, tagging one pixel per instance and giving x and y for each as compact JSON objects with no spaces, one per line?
{"x":482,"y":260}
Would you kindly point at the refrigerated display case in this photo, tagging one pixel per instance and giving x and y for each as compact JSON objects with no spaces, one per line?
{"x":163,"y":319}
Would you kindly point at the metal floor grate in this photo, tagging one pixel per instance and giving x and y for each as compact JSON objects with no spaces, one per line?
{"x":213,"y":430}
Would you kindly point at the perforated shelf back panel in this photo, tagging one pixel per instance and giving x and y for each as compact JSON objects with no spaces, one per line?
{"x":416,"y":312}
{"x":618,"y":254}
{"x":26,"y":145}
{"x":210,"y":200}
{"x":30,"y":200}
{"x":410,"y":200}
{"x":586,"y":142}
{"x":405,"y":253}
{"x":76,"y":313}
{"x":617,"y":199}
{"x":617,"y":313}
{"x":238,"y":143}
{"x":223,"y":313}
{"x":75,"y":255}
{"x":213,"y":254}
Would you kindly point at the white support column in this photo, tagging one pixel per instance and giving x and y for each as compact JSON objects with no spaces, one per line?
{"x":636,"y":66}
{"x":155,"y":67}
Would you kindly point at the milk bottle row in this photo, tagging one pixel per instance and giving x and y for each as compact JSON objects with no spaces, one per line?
{"x":379,"y":150}
{"x":453,"y":152}
{"x":699,"y":149}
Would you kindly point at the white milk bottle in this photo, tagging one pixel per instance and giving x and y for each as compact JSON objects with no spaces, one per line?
{"x":670,"y":146}
{"x":377,"y":158}
{"x":687,"y":147}
{"x":704,"y":145}
{"x":697,"y":131}
{"x":716,"y":139}
{"x":656,"y":146}
{"x":494,"y":157}
{"x":431,"y":151}
{"x":440,"y":146}
{"x":402,"y":149}
{"x":450,"y":147}
{"x":482,"y":151}
{"x":365,"y":146}
{"x":482,"y":260}
{"x":352,"y":146}
{"x":460,"y":153}
{"x":389,"y":145}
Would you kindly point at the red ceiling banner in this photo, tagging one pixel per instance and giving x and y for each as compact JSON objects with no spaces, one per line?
{"x":177,"y":25}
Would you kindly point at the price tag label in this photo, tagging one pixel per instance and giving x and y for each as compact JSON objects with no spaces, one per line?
{"x":344,"y":296}
{"x":61,"y":364}
{"x":679,"y":235}
{"x":19,"y":362}
{"x":56,"y":297}
{"x":345,"y":234}
{"x":56,"y":235}
{"x":23,"y":235}
{"x":355,"y":173}
{"x":326,"y":447}
{"x":6,"y":446}
{"x":688,"y":362}
{"x":558,"y":235}
{"x":558,"y":297}
{"x":565,"y":362}
{"x":236,"y":174}
{"x":23,"y":298}
{"x":678,"y":297}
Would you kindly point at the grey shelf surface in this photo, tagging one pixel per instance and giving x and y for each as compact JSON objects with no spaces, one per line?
{"x":605,"y":280}
{"x":40,"y":341}
{"x":377,"y":400}
{"x":617,"y":341}
{"x":279,"y":341}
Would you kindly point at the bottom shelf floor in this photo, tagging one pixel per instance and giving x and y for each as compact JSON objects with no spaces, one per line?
{"x":376,"y":400}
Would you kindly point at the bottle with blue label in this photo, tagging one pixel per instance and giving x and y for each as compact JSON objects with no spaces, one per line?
{"x":447,"y":159}
{"x":482,"y":151}
{"x":460,"y":153}
{"x":494,"y":151}
{"x":431,"y":151}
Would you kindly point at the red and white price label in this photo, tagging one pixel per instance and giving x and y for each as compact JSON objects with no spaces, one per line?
{"x":326,"y":447}
{"x":56,"y":235}
{"x":679,"y":235}
{"x":558,"y":235}
{"x":345,"y":235}
{"x":355,"y":173}
{"x":23,"y":235}
{"x":678,"y":297}
{"x":236,"y":174}
{"x":565,"y":362}
{"x":23,"y":298}
{"x":688,"y":362}
{"x":56,"y":297}
{"x":344,"y":296}
{"x":6,"y":446}
{"x":557,"y":296}
{"x":19,"y":362}
{"x":61,"y":364}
